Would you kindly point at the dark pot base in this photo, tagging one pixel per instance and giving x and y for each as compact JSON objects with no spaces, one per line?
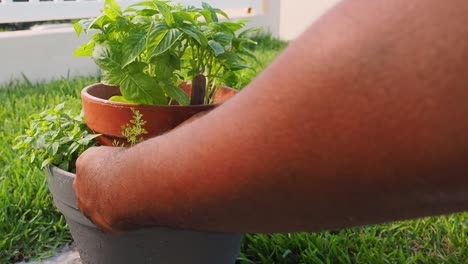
{"x":150,"y":245}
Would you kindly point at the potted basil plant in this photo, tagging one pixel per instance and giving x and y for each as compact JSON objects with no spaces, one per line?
{"x":161,"y":63}
{"x":152,"y":56}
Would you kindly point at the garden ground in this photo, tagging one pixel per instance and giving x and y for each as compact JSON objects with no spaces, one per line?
{"x":31,"y":228}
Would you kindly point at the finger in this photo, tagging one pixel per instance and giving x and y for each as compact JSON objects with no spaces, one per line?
{"x":104,"y":225}
{"x":84,"y":154}
{"x":96,"y":219}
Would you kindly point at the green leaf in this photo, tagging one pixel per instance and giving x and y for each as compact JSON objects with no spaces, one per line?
{"x":122,"y":24}
{"x":208,"y":16}
{"x":55,"y":147}
{"x":183,"y":16}
{"x":246,"y":41}
{"x":216,"y":47}
{"x":52,"y":136}
{"x":143,"y":89}
{"x":119,"y":98}
{"x":87,"y":139}
{"x":147,"y":12}
{"x":111,"y":78}
{"x":65,"y":165}
{"x":221,"y":12}
{"x":233,"y":61}
{"x":249,"y":54}
{"x":177,"y":94}
{"x":232,"y":26}
{"x":112,"y":9}
{"x":59,"y":107}
{"x":195,"y":34}
{"x":223,"y":38}
{"x":164,"y":66}
{"x":142,"y":21}
{"x":211,"y":14}
{"x":132,"y":47}
{"x":85,"y":50}
{"x":136,"y":67}
{"x":165,"y":11}
{"x":101,"y":22}
{"x":73,"y":147}
{"x":107,"y":56}
{"x":46,"y":162}
{"x":150,"y":4}
{"x":156,"y":33}
{"x":169,"y":40}
{"x":249,"y":31}
{"x":83,"y":25}
{"x":175,"y":62}
{"x":78,"y":28}
{"x":238,"y":67}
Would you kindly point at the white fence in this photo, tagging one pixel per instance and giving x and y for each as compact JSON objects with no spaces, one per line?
{"x":44,"y":54}
{"x":12,"y":11}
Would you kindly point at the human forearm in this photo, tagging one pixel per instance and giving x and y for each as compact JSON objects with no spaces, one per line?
{"x":225,"y":187}
{"x":358,"y":122}
{"x":376,"y":135}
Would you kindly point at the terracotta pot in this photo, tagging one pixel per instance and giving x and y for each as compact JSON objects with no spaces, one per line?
{"x":107,"y":118}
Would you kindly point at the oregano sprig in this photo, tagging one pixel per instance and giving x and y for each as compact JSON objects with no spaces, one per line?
{"x":134,"y":130}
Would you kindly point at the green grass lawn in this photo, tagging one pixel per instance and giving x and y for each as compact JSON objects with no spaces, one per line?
{"x":31,"y":228}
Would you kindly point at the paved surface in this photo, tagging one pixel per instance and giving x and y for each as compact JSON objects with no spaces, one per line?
{"x":67,"y":255}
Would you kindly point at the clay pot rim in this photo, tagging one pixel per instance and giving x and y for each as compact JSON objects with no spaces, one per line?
{"x":98,"y":100}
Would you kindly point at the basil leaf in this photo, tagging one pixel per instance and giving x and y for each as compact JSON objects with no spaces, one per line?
{"x":119,"y":98}
{"x":223,"y":38}
{"x":232,"y":26}
{"x":209,"y":12}
{"x":249,"y":31}
{"x":111,"y":78}
{"x":141,"y":88}
{"x":176,"y":93}
{"x":83,"y":25}
{"x":166,"y":13}
{"x":132,"y":47}
{"x":156,"y":33}
{"x":216,"y":47}
{"x":141,"y":4}
{"x":107,"y":56}
{"x":85,"y":50}
{"x":101,"y":22}
{"x":208,"y":16}
{"x":112,"y":9}
{"x":169,"y":39}
{"x":183,"y":16}
{"x":195,"y":34}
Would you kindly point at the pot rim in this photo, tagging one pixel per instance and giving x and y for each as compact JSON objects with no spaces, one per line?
{"x":53,"y":167}
{"x":98,"y":100}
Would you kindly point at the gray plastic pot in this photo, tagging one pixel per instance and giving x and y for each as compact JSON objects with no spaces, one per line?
{"x":150,"y":245}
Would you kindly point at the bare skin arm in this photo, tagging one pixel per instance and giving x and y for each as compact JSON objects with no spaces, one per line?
{"x":362,"y":120}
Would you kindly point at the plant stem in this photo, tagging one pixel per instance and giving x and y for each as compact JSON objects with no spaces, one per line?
{"x":198,"y":90}
{"x":214,"y":88}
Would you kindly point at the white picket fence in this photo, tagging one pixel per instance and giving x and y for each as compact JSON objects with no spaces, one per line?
{"x":46,"y":53}
{"x":12,"y":11}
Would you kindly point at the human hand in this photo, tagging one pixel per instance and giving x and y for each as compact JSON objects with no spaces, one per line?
{"x":101,"y":187}
{"x":98,"y":185}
